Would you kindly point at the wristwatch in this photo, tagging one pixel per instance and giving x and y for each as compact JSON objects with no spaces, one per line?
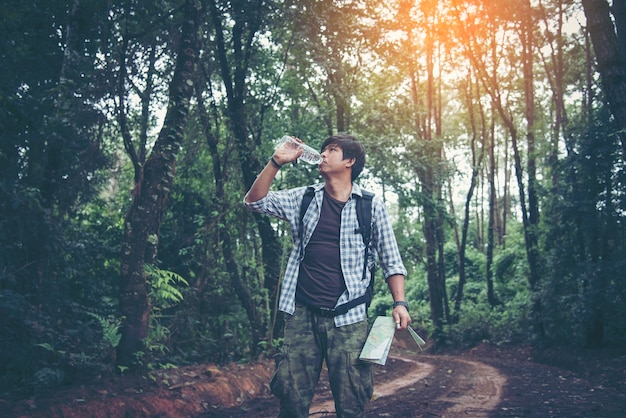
{"x":401,"y":303}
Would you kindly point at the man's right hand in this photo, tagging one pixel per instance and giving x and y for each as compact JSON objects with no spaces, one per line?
{"x":287,"y":152}
{"x":284,"y":154}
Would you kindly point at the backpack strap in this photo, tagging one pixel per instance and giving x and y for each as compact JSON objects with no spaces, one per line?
{"x":306,"y":201}
{"x":364,"y":216}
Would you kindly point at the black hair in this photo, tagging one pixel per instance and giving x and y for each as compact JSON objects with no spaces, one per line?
{"x":351,"y":149}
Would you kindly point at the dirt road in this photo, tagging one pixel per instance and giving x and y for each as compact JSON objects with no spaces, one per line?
{"x":473,"y":388}
{"x":486,"y":381}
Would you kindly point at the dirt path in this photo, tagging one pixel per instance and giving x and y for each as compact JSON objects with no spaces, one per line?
{"x":473,"y":388}
{"x":476,"y":391}
{"x":486,"y":381}
{"x":415,"y":371}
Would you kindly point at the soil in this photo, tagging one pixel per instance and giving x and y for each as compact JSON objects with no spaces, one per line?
{"x":486,"y":381}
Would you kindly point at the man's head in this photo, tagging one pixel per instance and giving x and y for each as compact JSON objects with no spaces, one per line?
{"x":351,"y":149}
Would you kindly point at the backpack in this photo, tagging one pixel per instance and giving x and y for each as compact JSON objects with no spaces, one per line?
{"x":364,"y":217}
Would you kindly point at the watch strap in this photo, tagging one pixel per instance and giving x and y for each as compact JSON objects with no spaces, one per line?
{"x":401,"y":303}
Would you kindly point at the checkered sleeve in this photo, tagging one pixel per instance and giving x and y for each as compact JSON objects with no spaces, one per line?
{"x":384,"y":241}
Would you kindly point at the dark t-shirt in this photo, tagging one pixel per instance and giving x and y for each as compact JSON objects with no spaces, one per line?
{"x":321,"y":280}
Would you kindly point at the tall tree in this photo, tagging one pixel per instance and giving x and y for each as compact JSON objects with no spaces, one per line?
{"x":610,"y":56}
{"x":478,"y":135}
{"x":236,"y":27}
{"x":249,"y":291}
{"x":427,"y":132}
{"x":497,"y":18}
{"x":527,"y":56}
{"x":143,"y":219}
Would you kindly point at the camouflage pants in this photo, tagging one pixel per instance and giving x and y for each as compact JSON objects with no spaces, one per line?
{"x":310,"y":340}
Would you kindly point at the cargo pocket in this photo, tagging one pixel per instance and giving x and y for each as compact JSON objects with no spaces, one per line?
{"x":279,"y":384}
{"x":361,"y":377}
{"x":355,"y":387}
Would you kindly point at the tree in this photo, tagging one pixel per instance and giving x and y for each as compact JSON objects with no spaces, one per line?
{"x":236,"y":26}
{"x":425,"y":147}
{"x":529,"y":203}
{"x":610,"y":56}
{"x":143,"y":219}
{"x":478,"y":131}
{"x":50,"y":137}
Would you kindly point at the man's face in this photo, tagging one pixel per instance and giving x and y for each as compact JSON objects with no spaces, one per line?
{"x":333,"y":161}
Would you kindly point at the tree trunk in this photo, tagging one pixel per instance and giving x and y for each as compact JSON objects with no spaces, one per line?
{"x":491,"y":226}
{"x":530,"y":229}
{"x":436,"y":296}
{"x":531,"y":158}
{"x":477,"y":158}
{"x":619,"y":14}
{"x":143,"y":220}
{"x":610,"y":57}
{"x":530,"y":217}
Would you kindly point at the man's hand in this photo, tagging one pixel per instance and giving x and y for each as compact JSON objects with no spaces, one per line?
{"x":282,"y":155}
{"x":400,"y":313}
{"x":288,"y":152}
{"x":401,"y":317}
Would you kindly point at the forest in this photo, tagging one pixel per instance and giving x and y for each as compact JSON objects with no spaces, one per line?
{"x":130,"y":130}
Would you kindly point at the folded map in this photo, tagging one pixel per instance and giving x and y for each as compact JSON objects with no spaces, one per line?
{"x":378,"y":343}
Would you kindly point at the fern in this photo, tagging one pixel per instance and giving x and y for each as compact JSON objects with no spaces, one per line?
{"x":110,"y":329}
{"x":163,"y":291}
{"x":163,"y":294}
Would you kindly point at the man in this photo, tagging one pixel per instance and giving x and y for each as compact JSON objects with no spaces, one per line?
{"x":326,"y":270}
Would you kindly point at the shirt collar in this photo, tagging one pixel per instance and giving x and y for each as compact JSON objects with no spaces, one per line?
{"x":356,"y":189}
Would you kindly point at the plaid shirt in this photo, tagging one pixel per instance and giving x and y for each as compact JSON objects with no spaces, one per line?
{"x":286,"y":205}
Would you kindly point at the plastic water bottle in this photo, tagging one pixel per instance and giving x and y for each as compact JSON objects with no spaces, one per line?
{"x":310,"y":155}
